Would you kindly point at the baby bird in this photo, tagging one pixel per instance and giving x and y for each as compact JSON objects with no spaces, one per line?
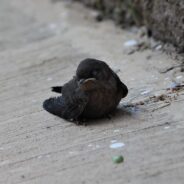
{"x":94,"y":92}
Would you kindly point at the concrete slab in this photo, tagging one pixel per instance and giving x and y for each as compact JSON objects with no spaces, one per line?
{"x":41,"y":44}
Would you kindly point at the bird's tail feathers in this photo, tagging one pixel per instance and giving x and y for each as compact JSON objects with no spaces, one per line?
{"x":57,"y":89}
{"x":54,"y":105}
{"x":124,"y":90}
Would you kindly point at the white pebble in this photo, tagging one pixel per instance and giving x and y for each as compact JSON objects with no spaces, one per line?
{"x":52,"y":26}
{"x":145,"y":92}
{"x":39,"y":157}
{"x":179,"y":77}
{"x":49,"y":79}
{"x":130,"y":43}
{"x":117,"y":145}
{"x":117,"y":130}
{"x":159,"y":47}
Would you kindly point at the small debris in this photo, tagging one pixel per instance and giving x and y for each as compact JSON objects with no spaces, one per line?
{"x":175,"y":87}
{"x":22,"y":176}
{"x":140,"y":103}
{"x":148,"y":57}
{"x":117,"y":159}
{"x":97,"y":146}
{"x":179,"y":77}
{"x":48,"y":156}
{"x":117,"y":145}
{"x":145,"y":92}
{"x":166,"y":70}
{"x":134,"y":46}
{"x":73,"y":153}
{"x":182,"y":69}
{"x":94,"y":146}
{"x":170,"y":68}
{"x":158,"y":47}
{"x":49,"y":79}
{"x":161,"y":97}
{"x":99,"y":17}
{"x":131,"y":43}
{"x":117,"y":130}
{"x":52,"y":26}
{"x":154,"y":99}
{"x":163,"y":106}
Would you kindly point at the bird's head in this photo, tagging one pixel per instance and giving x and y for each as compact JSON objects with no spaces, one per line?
{"x":92,"y":68}
{"x":91,"y":72}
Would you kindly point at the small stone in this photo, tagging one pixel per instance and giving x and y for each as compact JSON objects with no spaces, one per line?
{"x":49,"y":79}
{"x":130,"y":43}
{"x":182,"y":69}
{"x":117,"y":159}
{"x":158,"y":47}
{"x":145,"y":92}
{"x":179,"y":77}
{"x":22,"y":176}
{"x":99,"y":17}
{"x":117,"y":145}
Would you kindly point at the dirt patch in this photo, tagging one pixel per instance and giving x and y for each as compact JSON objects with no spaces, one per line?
{"x":160,"y":101}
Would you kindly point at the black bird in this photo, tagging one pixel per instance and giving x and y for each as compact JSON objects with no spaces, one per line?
{"x":94,"y":92}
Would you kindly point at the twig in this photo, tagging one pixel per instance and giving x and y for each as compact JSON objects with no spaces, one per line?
{"x":171,"y":68}
{"x":161,"y":107}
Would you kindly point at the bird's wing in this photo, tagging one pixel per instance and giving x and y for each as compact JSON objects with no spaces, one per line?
{"x":75,"y":108}
{"x":121,"y":86}
{"x":70,"y":105}
{"x":54,"y":105}
{"x":65,"y":108}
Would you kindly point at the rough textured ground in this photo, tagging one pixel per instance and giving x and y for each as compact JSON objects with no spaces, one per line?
{"x":164,"y":18}
{"x":41,"y":43}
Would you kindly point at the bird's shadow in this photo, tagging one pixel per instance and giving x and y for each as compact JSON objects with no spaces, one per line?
{"x":119,"y":113}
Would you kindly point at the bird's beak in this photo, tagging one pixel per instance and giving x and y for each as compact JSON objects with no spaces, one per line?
{"x":81,"y":81}
{"x":88,"y":84}
{"x":90,"y":79}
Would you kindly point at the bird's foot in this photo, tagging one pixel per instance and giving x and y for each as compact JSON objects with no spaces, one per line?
{"x":79,"y":122}
{"x":109,"y":116}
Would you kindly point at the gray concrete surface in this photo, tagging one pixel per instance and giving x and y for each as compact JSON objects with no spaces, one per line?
{"x":41,"y":44}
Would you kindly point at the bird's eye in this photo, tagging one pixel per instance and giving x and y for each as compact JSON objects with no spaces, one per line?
{"x":94,"y":73}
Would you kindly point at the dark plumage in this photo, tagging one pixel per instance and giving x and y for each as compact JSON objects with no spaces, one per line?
{"x":93,"y":92}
